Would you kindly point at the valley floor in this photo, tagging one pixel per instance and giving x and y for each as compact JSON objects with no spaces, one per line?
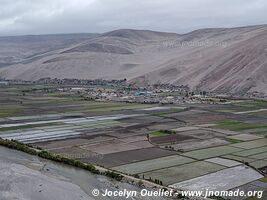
{"x":220,"y":146}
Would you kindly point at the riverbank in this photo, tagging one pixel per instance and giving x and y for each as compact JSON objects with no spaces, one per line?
{"x":28,"y":177}
{"x":57,"y":158}
{"x":21,"y":182}
{"x":75,"y":163}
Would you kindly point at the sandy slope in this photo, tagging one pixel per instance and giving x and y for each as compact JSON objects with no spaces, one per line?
{"x":227,"y":60}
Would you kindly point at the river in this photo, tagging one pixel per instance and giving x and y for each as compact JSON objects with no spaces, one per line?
{"x":27,"y":177}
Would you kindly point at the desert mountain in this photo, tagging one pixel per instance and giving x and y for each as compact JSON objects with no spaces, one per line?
{"x":226,"y":60}
{"x":17,"y":49}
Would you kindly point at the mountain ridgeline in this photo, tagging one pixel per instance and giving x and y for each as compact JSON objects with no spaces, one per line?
{"x":226,"y":60}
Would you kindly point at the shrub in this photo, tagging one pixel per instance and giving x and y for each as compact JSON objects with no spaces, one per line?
{"x":168,"y":131}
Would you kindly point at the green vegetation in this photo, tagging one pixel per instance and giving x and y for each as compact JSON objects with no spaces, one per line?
{"x":157,"y":181}
{"x":157,"y":133}
{"x":18,"y":146}
{"x":233,"y":141}
{"x":260,"y":103}
{"x":47,"y":155}
{"x":239,"y":126}
{"x":264,"y":179}
{"x":68,"y":161}
{"x":12,"y":144}
{"x":168,"y":131}
{"x":27,"y":126}
{"x":251,"y":104}
{"x":228,"y":123}
{"x":113,"y":175}
{"x":163,"y":132}
{"x":45,"y":99}
{"x":8,"y":111}
{"x":263,"y":133}
{"x":27,"y":88}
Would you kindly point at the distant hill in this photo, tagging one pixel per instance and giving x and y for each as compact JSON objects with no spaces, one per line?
{"x":224,"y":60}
{"x":16,"y":49}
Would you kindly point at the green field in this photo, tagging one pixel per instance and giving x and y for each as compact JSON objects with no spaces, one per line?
{"x":264,"y":179}
{"x":233,"y":141}
{"x":163,"y":132}
{"x":251,"y":104}
{"x":203,"y":131}
{"x":23,"y":100}
{"x":158,"y":133}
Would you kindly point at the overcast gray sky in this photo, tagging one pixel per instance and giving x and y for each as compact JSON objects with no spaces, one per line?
{"x":19,"y":17}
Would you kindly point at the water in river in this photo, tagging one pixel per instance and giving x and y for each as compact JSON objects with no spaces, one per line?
{"x":28,"y":177}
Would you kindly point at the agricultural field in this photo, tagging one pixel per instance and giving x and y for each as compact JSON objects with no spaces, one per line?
{"x":27,"y":100}
{"x":183,"y":146}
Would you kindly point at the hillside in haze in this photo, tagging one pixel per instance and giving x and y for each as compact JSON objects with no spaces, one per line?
{"x":225,"y":60}
{"x":20,"y":49}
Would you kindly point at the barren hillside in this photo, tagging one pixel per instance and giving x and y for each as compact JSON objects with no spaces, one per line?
{"x":225,"y":60}
{"x":16,"y":49}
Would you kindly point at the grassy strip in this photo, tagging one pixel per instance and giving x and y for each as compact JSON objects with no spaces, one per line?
{"x":163,"y":132}
{"x":260,"y":103}
{"x":12,"y":144}
{"x":226,"y":123}
{"x":251,"y":104}
{"x":28,"y":126}
{"x":157,"y":133}
{"x":233,"y":141}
